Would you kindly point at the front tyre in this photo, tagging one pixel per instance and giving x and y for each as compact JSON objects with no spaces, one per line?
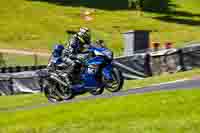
{"x":49,"y":88}
{"x":56,"y":92}
{"x":117,"y":83}
{"x":97,"y":91}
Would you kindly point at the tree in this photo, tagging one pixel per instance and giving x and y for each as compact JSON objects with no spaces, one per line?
{"x":151,"y":5}
{"x":136,"y":4}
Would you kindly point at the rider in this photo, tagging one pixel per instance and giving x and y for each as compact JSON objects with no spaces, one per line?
{"x":80,"y":41}
{"x":78,"y":44}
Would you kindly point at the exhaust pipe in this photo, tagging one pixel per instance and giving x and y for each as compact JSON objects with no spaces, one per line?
{"x":58,"y":80}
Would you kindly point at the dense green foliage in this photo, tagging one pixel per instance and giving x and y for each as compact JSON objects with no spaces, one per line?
{"x":38,"y":24}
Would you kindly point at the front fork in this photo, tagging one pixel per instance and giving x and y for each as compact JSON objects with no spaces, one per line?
{"x":107,"y":72}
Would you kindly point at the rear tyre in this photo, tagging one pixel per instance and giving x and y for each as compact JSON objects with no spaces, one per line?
{"x":117,"y":83}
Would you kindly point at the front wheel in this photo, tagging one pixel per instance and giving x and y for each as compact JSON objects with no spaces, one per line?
{"x":117,"y":83}
{"x":49,"y":91}
{"x":55,"y":92}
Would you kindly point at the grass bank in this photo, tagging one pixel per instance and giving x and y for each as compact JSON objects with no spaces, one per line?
{"x":175,"y":111}
{"x":39,"y":24}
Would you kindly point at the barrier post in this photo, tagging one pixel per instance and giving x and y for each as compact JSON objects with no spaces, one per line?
{"x":11,"y":86}
{"x":156,"y":46}
{"x":35,"y":59}
{"x":147,"y":65}
{"x":168,"y":45}
{"x":181,"y":60}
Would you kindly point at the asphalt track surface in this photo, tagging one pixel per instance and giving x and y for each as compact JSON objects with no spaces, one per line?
{"x":177,"y":85}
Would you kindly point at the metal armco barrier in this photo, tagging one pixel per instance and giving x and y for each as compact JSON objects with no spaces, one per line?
{"x":136,"y":66}
{"x":26,"y":79}
{"x":6,"y":87}
{"x":21,"y":69}
{"x":22,"y":82}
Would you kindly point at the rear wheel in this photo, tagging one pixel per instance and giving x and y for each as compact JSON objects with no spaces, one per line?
{"x":117,"y":83}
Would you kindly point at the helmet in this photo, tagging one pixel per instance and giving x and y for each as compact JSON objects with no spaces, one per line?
{"x":84,"y":35}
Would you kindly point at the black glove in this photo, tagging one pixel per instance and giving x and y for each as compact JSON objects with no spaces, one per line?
{"x":73,"y":57}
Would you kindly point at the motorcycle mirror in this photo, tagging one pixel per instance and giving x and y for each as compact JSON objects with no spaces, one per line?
{"x":70,"y":32}
{"x":100,"y":43}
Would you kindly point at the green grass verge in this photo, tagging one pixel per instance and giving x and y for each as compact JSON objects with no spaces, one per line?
{"x":22,"y":60}
{"x":9,"y":102}
{"x":36,"y":24}
{"x":160,"y":112}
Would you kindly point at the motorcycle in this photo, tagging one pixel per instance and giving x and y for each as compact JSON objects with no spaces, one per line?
{"x":96,"y":73}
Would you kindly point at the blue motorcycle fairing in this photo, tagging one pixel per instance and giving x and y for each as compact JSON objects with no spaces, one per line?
{"x":57,"y":51}
{"x":107,"y":72}
{"x":89,"y":75}
{"x":96,"y":61}
{"x":56,"y":54}
{"x":97,"y":49}
{"x":90,"y":80}
{"x":56,"y":60}
{"x":78,"y":88}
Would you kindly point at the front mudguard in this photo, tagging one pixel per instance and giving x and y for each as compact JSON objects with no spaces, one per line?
{"x":107,"y":72}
